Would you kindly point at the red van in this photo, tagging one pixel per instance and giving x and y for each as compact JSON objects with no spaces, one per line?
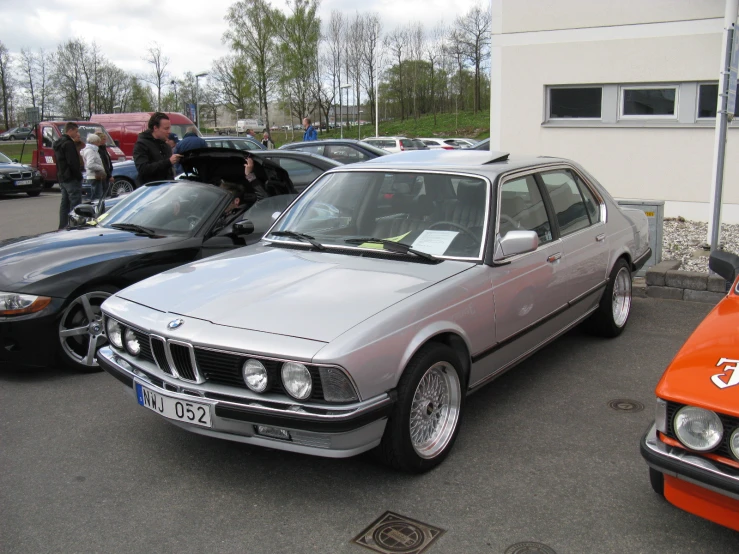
{"x":48,"y":132}
{"x":125,"y":127}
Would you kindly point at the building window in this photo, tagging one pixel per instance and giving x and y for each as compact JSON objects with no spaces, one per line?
{"x":708,"y":99}
{"x":649,"y":102}
{"x":575,"y":103}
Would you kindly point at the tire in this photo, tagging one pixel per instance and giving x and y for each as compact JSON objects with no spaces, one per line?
{"x":434,"y":371}
{"x":657,"y":480}
{"x":613,"y":312}
{"x":11,"y":137}
{"x":48,"y":185}
{"x":81,"y":323}
{"x":33,"y":193}
{"x":121,"y":185}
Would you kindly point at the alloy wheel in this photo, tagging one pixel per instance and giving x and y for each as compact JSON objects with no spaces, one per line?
{"x":435,"y":410}
{"x":621,"y":303}
{"x":81,"y":329}
{"x":121,"y":186}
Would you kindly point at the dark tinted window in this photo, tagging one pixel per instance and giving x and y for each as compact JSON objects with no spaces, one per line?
{"x":707,"y":100}
{"x":575,"y":102}
{"x":567,"y":201}
{"x":649,"y":101}
{"x":315,"y":149}
{"x":407,"y":143}
{"x":344,"y":154}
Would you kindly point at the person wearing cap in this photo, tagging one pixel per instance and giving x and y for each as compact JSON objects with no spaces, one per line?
{"x":105,"y":157}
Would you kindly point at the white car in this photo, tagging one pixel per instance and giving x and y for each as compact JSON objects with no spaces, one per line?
{"x":461,"y":142}
{"x":391,"y":144}
{"x":439,"y":144}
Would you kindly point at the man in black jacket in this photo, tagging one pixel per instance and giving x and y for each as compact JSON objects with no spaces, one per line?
{"x":151,"y":153}
{"x":68,"y":171}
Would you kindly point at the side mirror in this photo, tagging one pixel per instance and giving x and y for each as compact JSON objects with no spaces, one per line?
{"x":15,"y":160}
{"x":725,"y":264}
{"x":515,"y":243}
{"x":243,"y":227}
{"x":85,"y":210}
{"x":117,"y":143}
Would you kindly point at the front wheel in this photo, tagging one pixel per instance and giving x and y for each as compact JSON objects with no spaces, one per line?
{"x":121,"y":186}
{"x":615,"y":306}
{"x":425,"y":420}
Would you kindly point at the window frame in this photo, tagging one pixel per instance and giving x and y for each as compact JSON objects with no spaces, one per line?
{"x":548,"y":104}
{"x":640,"y":117}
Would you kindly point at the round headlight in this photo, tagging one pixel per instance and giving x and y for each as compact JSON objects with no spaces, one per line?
{"x":115,"y":333}
{"x":255,"y":375}
{"x":297,"y":380}
{"x":734,"y":443}
{"x":698,"y":429}
{"x":131,"y":343}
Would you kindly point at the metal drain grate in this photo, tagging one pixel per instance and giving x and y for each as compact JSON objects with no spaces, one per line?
{"x":395,"y":534}
{"x":625,"y":405}
{"x":529,"y":548}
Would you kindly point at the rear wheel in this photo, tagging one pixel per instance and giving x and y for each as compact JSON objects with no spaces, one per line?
{"x":81,"y":329}
{"x":615,"y":306}
{"x":121,"y":186}
{"x":657,"y":480}
{"x":425,"y":420}
{"x":48,"y":184}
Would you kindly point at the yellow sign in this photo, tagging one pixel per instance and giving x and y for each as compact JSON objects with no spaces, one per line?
{"x":649,"y":214}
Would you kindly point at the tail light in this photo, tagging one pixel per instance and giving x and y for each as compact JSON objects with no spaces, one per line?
{"x":402,"y":147}
{"x":448,"y":147}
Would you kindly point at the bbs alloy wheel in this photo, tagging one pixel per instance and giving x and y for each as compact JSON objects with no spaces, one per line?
{"x":81,"y":329}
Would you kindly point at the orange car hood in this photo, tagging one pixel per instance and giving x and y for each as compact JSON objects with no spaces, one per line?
{"x":705,"y":372}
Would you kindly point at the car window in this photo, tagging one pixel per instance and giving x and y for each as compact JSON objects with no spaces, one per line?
{"x":522,"y":208}
{"x":430,"y":142}
{"x":299,"y":171}
{"x":344,"y":154}
{"x":313,"y":149}
{"x":217,"y":144}
{"x":591,"y":204}
{"x":567,"y":201}
{"x":49,"y":135}
{"x":406,"y":143}
{"x":243,"y":144}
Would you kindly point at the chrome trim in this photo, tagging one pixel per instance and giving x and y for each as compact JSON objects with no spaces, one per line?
{"x":601,"y":237}
{"x":198,"y":378}
{"x":678,"y":455}
{"x":172,"y":367}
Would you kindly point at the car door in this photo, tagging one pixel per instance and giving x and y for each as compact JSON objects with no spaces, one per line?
{"x":529,"y":290}
{"x":46,"y":156}
{"x":582,"y":230}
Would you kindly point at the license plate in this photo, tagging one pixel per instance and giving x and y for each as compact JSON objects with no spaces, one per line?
{"x":24,"y":182}
{"x":174,"y":408}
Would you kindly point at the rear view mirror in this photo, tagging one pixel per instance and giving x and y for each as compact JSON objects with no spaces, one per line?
{"x":85,"y":210}
{"x":725,"y":264}
{"x":243,"y":227}
{"x":515,"y":243}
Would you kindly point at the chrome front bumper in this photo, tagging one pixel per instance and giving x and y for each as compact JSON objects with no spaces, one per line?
{"x":333,"y":431}
{"x":687,"y":466}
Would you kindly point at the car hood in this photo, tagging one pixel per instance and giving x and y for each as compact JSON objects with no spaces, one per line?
{"x":13,"y":167}
{"x":25,"y":262}
{"x":702,"y":373}
{"x":304,"y":294}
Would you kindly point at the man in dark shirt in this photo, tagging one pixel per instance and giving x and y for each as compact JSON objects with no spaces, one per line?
{"x":151,"y":153}
{"x":69,"y":171}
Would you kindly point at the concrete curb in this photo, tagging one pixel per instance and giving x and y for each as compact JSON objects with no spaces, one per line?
{"x":665,"y":280}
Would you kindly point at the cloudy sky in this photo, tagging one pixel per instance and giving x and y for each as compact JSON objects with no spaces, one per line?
{"x":189,"y":31}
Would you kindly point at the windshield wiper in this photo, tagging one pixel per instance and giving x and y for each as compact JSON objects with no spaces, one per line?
{"x":392,"y":246}
{"x":135,"y":228}
{"x":300,"y":236}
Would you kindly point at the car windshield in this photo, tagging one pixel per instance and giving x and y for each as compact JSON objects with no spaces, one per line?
{"x":87,"y":128}
{"x":170,"y":209}
{"x":4,"y":159}
{"x":444,"y":215}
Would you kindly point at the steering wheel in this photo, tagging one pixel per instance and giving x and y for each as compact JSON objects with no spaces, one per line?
{"x":512,"y":222}
{"x":463,"y":229}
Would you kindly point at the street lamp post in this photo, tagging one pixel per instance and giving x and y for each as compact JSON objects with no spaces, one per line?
{"x":197,"y":99}
{"x":174,"y":85}
{"x":347,"y":87}
{"x":238,"y":110}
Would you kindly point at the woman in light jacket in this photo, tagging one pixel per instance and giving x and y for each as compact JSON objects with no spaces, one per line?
{"x":94,"y":165}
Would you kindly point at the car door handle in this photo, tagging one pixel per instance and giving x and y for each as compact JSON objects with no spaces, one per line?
{"x":601,"y":237}
{"x":554,"y":257}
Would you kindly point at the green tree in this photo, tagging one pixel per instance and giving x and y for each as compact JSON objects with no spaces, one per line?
{"x":235,"y":83}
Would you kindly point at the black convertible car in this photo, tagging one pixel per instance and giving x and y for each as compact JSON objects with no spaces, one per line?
{"x":52,"y":285}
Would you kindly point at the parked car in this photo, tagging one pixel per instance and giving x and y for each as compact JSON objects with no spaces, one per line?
{"x":16,"y":177}
{"x":419,"y":144}
{"x":125,"y":127}
{"x":53,"y":284}
{"x":482,"y":145}
{"x":461,"y":142}
{"x":387,"y":292}
{"x":391,"y":144}
{"x":438,"y":144}
{"x":17,"y":133}
{"x":692,"y":448}
{"x":345,"y":151}
{"x":240,"y":143}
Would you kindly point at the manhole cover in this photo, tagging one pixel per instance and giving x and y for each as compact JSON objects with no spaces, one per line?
{"x":393,"y":533}
{"x":529,"y":548}
{"x":626,"y":405}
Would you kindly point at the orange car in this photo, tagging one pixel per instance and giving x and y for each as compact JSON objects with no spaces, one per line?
{"x":692,"y":448}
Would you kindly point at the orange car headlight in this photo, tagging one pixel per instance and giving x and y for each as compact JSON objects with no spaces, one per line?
{"x":12,"y":303}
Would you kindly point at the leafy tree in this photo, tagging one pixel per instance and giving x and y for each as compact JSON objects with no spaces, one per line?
{"x":235,"y":83}
{"x":7,"y":83}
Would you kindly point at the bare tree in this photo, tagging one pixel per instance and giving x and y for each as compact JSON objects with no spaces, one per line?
{"x":28,"y":68}
{"x":159,"y":73}
{"x":335,"y":44}
{"x":355,"y":60}
{"x":42,"y":65}
{"x":7,"y":83}
{"x":434,"y":52}
{"x":397,"y":44}
{"x":416,"y":47}
{"x":68,"y":76}
{"x":474,"y":35}
{"x":371,"y":47}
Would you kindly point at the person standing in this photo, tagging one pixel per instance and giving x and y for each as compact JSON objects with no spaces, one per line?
{"x":105,"y":157}
{"x":94,"y":166}
{"x":190,"y":141}
{"x":151,"y":154}
{"x":69,"y":171}
{"x":267,"y":141}
{"x":310,"y":131}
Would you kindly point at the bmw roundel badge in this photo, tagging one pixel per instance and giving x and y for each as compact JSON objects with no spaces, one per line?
{"x":175,"y":323}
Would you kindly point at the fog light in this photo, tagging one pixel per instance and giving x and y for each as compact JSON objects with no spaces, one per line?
{"x":131,"y":341}
{"x":273,"y":432}
{"x":115,"y":333}
{"x":255,"y":375}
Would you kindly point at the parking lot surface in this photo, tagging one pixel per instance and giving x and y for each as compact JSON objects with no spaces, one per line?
{"x":541,"y":457}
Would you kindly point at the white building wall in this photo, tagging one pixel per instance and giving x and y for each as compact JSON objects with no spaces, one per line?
{"x":625,"y":42}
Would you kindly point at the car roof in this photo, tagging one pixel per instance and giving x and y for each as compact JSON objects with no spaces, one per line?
{"x":455,"y":160}
{"x":385,"y":138}
{"x":297,"y":154}
{"x":321,"y":141}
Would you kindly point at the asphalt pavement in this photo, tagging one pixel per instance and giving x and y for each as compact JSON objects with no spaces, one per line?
{"x":541,"y":457}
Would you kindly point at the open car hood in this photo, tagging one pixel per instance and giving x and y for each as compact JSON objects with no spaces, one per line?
{"x":210,"y":165}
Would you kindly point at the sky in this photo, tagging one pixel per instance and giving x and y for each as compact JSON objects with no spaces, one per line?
{"x":188,"y":31}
